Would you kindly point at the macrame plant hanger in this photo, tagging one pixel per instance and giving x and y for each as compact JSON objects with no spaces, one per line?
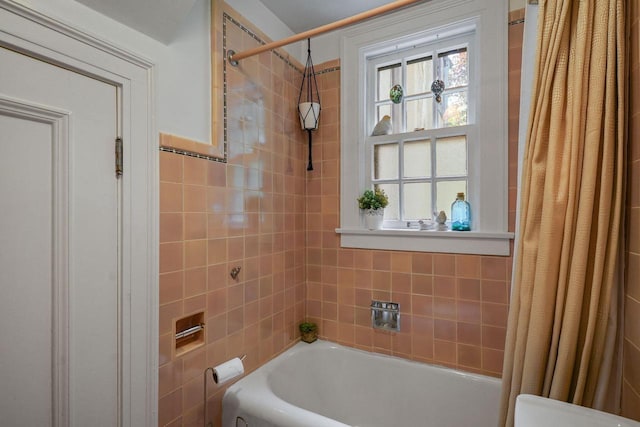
{"x":309,"y":101}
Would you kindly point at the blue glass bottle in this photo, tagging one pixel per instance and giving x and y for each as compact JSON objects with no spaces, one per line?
{"x":460,"y":214}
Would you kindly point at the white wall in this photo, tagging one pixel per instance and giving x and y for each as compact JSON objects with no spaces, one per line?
{"x":517,"y":4}
{"x":182,"y":73}
{"x":184,"y":78}
{"x":258,"y":14}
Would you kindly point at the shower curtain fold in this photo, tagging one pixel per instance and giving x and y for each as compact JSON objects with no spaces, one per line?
{"x":571,"y":206}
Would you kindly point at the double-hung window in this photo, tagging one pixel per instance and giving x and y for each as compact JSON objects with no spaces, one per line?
{"x":422,"y":163}
{"x":439,"y":71}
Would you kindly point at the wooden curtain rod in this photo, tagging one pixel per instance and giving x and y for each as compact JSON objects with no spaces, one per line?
{"x":234,"y":57}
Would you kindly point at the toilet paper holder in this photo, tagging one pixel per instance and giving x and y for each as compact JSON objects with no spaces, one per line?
{"x":211,"y":368}
{"x":189,"y":333}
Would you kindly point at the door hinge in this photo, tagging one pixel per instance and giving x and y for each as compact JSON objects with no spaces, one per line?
{"x":118,"y":157}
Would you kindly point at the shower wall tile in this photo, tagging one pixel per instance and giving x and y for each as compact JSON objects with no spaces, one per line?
{"x":170,"y":197}
{"x":170,"y":168}
{"x":171,"y":229}
{"x":631,"y":355}
{"x":171,"y":287}
{"x":171,"y":256}
{"x":453,"y":307}
{"x":248,"y":212}
{"x":170,"y":408}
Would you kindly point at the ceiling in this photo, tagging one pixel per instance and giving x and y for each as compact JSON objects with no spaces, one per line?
{"x":302,"y":15}
{"x":162,"y":19}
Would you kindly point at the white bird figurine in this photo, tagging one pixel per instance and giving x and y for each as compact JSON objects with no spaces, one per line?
{"x":383,"y":127}
{"x":441,"y":219}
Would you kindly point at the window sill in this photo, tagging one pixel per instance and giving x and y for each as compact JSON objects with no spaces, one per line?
{"x":456,"y":242}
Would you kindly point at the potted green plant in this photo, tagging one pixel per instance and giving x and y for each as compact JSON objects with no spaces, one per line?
{"x":372,"y":204}
{"x":308,"y":331}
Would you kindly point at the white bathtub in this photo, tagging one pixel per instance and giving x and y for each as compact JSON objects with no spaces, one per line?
{"x":325,"y":384}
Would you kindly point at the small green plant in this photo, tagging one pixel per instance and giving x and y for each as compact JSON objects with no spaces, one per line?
{"x":373,"y":199}
{"x":307,"y":327}
{"x":308,"y":332}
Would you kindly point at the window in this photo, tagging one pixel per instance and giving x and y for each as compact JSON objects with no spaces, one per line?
{"x":436,"y":148}
{"x":420,"y":167}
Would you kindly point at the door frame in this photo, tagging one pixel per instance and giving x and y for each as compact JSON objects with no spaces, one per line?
{"x":37,"y":35}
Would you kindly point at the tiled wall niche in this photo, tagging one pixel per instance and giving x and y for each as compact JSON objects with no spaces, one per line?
{"x":631,"y":365}
{"x":247,"y":212}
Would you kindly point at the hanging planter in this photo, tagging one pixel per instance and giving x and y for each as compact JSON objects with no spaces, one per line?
{"x":309,"y":113}
{"x":309,"y":101}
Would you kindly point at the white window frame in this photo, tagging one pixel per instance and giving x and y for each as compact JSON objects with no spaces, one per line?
{"x":488,"y":159}
{"x":465,"y":39}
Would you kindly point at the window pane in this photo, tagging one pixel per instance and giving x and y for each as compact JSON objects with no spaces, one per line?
{"x":453,"y":109}
{"x":417,"y":200}
{"x":391,"y":110}
{"x":417,"y":159}
{"x":385,"y":160}
{"x":392,"y":211}
{"x":420,"y":114}
{"x":451,"y":156}
{"x":383,"y":110}
{"x":446,"y":194}
{"x":454,"y":68}
{"x":387,"y":77}
{"x":419,"y":76}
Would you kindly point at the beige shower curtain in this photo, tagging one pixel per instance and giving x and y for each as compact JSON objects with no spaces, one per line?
{"x":571,"y":205}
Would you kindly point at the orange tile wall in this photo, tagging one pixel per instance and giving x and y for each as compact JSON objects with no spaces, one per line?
{"x":249,"y":213}
{"x":453,"y":307}
{"x":264,"y":212}
{"x":631,"y":366}
{"x":215,"y":216}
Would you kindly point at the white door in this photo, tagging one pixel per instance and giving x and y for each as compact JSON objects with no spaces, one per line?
{"x":59,"y":247}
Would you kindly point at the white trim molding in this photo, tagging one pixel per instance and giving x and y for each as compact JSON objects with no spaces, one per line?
{"x":488,"y":153}
{"x":32,"y":33}
{"x":75,"y":34}
{"x":455,"y":242}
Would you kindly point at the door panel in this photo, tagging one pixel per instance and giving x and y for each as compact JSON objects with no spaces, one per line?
{"x":29,"y":382}
{"x":58,"y":246}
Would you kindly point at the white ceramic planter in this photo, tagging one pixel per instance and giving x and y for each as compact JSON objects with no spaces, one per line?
{"x":309,"y":115}
{"x":373,"y":218}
